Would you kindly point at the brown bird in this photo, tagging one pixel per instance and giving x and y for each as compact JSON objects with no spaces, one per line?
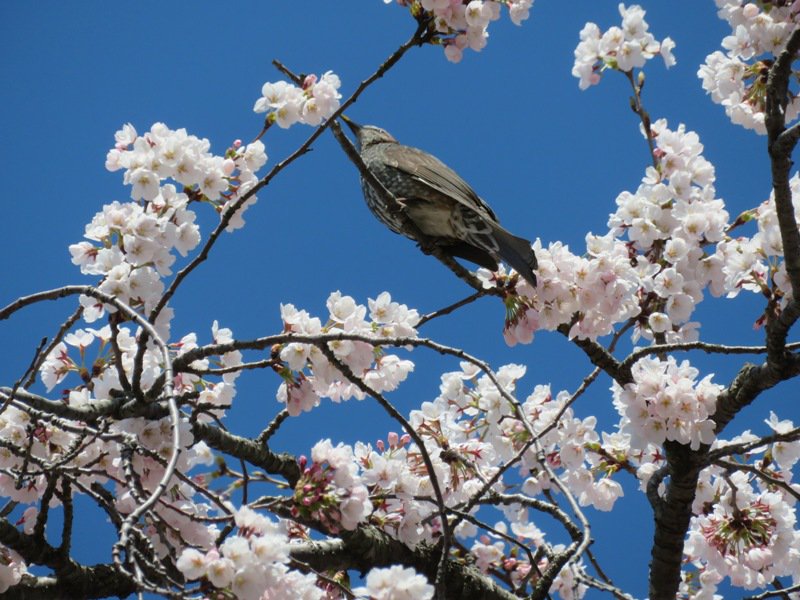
{"x":441,"y":204}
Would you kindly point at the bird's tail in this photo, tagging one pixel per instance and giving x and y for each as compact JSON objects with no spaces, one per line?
{"x":517,"y":252}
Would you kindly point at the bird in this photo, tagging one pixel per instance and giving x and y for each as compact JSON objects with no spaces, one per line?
{"x":439,"y":202}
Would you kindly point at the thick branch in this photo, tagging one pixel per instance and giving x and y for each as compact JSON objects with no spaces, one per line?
{"x":683,"y":467}
{"x":368,"y":547}
{"x":600,"y":357}
{"x":781,"y":145}
{"x":118,"y":408}
{"x":245,"y":449}
{"x":98,"y":581}
{"x":672,"y":521}
{"x":747,"y":385}
{"x":70,"y":579}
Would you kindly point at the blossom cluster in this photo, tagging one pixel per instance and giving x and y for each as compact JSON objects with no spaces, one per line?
{"x":745,"y":525}
{"x":746,"y":534}
{"x":652,"y":266}
{"x":131,"y":248}
{"x":671,"y":220}
{"x":162,"y":153}
{"x":212,"y":396}
{"x":252,"y":564}
{"x":287,"y":104}
{"x":99,"y":362}
{"x":756,"y":263}
{"x":102,"y":459}
{"x":395,"y":583}
{"x":106,"y":367}
{"x":397,"y":472}
{"x":469,"y":431}
{"x":461,"y":25}
{"x":566,"y":447}
{"x":622,"y":48}
{"x":492,"y":556}
{"x":666,"y":402}
{"x":12,"y":568}
{"x":330,"y":490}
{"x":736,"y":79}
{"x":132,"y":245}
{"x":601,"y":287}
{"x":309,"y":375}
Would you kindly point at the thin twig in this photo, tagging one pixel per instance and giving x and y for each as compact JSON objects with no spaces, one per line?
{"x":706,"y":347}
{"x":226,"y":217}
{"x":30,"y":371}
{"x":638,"y":107}
{"x":452,"y":307}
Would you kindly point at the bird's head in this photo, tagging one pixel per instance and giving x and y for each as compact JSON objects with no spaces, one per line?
{"x":368,"y":134}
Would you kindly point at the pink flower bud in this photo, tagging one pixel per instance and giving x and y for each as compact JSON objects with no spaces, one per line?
{"x":309,"y":81}
{"x":750,"y":10}
{"x":228,"y":166}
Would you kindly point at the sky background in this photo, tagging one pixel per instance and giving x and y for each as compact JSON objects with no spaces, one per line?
{"x":511,"y":120}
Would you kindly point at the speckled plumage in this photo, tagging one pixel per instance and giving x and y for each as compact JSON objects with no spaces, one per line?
{"x":439,"y":202}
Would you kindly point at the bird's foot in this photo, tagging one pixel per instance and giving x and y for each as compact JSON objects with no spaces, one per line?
{"x":426,"y":248}
{"x":400,"y":207}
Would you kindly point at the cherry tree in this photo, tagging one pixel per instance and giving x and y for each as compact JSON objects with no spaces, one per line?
{"x":484,"y":490}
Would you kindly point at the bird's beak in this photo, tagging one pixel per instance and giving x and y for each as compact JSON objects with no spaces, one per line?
{"x":354,"y":127}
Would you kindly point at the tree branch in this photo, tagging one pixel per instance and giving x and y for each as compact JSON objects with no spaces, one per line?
{"x":600,"y":357}
{"x":256,"y":454}
{"x":70,"y":580}
{"x":369,"y":547}
{"x":781,"y":144}
{"x":415,"y":40}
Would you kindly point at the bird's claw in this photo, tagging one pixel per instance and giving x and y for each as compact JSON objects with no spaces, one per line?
{"x":400,"y":207}
{"x":426,"y":249}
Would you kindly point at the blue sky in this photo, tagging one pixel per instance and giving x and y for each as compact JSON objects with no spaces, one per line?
{"x":511,"y":120}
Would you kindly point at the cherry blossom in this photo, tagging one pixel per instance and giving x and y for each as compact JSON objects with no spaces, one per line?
{"x":476,"y":456}
{"x":665,"y":402}
{"x":287,"y":104}
{"x":310,"y":375}
{"x":395,"y":583}
{"x":462,"y":25}
{"x":622,"y":48}
{"x":735,"y":79}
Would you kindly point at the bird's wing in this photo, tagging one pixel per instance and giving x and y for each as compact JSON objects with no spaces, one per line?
{"x":432,"y":172}
{"x":481,"y":238}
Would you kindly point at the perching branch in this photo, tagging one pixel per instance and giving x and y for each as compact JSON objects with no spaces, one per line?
{"x":419,"y":37}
